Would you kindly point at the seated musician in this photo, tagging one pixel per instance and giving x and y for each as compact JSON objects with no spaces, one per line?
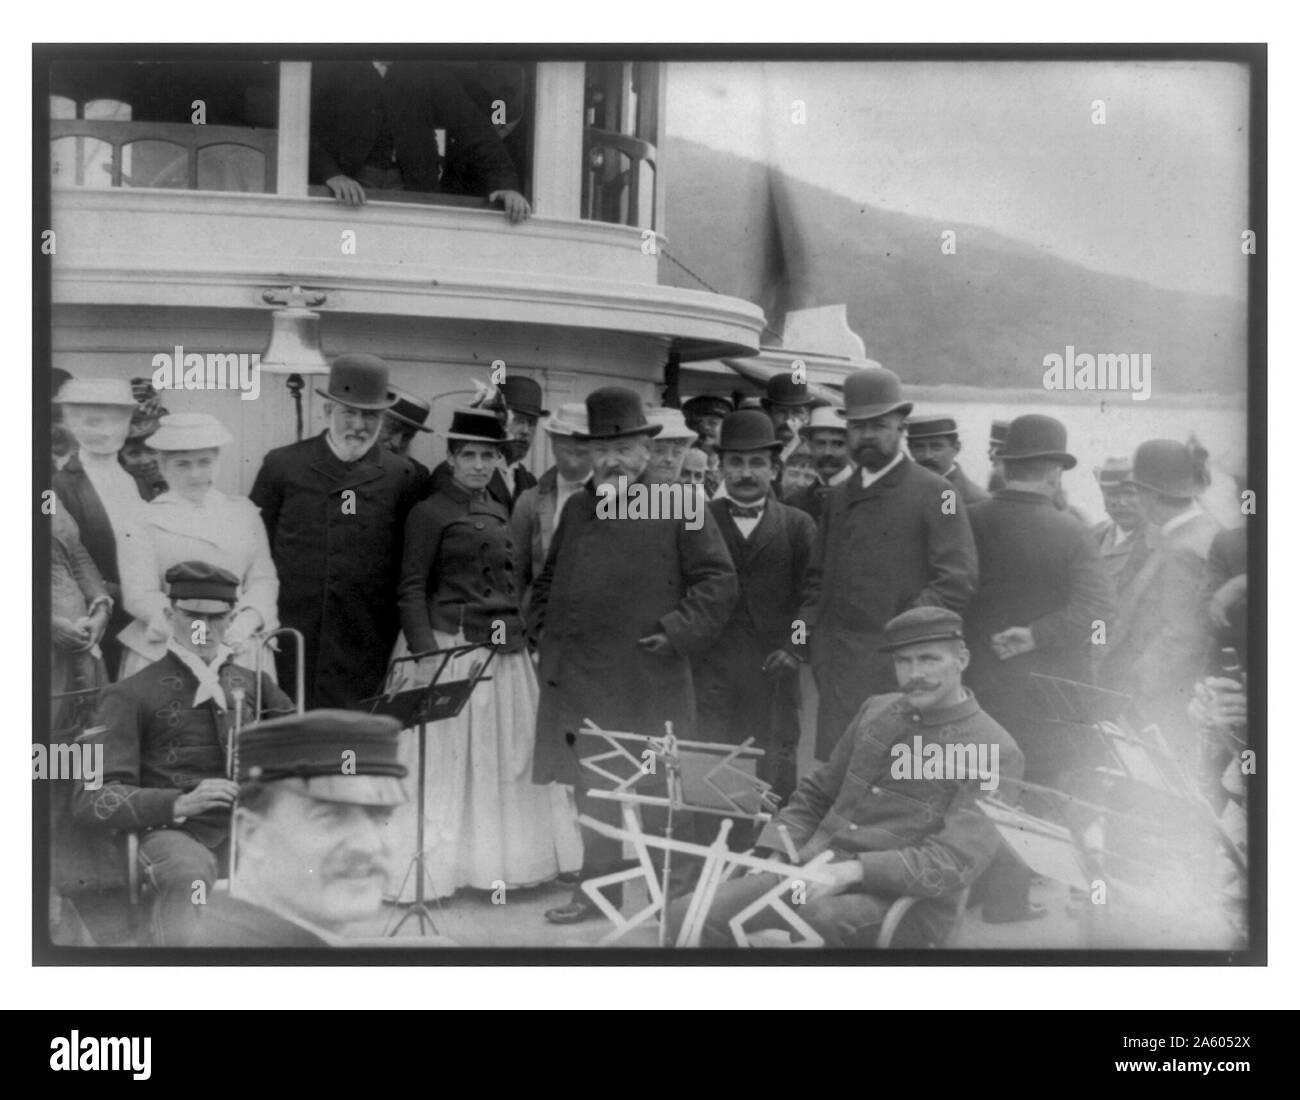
{"x":165,"y":732}
{"x":896,"y":823}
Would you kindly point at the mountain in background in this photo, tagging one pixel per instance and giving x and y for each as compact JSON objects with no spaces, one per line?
{"x":984,"y":316}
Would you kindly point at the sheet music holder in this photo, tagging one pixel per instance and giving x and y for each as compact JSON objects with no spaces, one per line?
{"x":415,"y":702}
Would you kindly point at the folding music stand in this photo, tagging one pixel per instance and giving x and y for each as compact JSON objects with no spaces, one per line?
{"x":417,"y":706}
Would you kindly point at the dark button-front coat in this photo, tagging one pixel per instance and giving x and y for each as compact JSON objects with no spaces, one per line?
{"x":969,"y":492}
{"x":339,"y":557}
{"x":736,"y":698}
{"x":158,"y":745}
{"x":1039,"y":568}
{"x":458,"y":572}
{"x":898,"y":543}
{"x":606,"y":583}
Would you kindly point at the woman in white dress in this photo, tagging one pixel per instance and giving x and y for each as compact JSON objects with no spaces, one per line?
{"x":486,"y":822}
{"x":192,"y":521}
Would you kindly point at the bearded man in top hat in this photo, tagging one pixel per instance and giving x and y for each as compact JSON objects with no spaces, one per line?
{"x":314,"y":842}
{"x":1156,"y":646}
{"x":334,"y":508}
{"x":826,"y":436}
{"x":892,"y":536}
{"x":933,"y":443}
{"x":102,"y":496}
{"x":166,"y":731}
{"x":620,"y":609}
{"x":746,"y":684}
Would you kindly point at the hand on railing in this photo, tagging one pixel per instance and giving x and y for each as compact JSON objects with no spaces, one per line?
{"x":517,"y":208}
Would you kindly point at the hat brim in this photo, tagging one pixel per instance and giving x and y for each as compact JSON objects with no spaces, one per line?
{"x":645,"y":429}
{"x":932,"y":435}
{"x":870,"y":412}
{"x":937,"y":636}
{"x":788,"y":404}
{"x":355,"y":790}
{"x":1067,"y":460}
{"x":528,"y":410}
{"x":680,"y":436}
{"x":408,"y":422}
{"x":464,"y":437}
{"x":365,"y":406}
{"x":202,"y":606}
{"x":749,"y":448}
{"x":1179,"y":492}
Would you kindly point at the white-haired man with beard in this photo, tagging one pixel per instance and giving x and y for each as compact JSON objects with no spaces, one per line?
{"x":334,"y":508}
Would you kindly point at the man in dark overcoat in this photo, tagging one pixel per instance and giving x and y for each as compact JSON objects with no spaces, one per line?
{"x":746,"y":683}
{"x":621,"y":607}
{"x":933,"y":443}
{"x":893,"y":536}
{"x":334,"y":508}
{"x":1044,"y":598}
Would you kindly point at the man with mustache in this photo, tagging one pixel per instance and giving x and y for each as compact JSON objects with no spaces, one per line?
{"x":621,"y":607}
{"x":314,"y":838}
{"x":892,"y":536}
{"x":704,"y":415}
{"x":334,"y":508}
{"x":827,"y":437}
{"x":934,"y":444}
{"x":747,"y":682}
{"x":893,"y":831}
{"x":788,"y":404}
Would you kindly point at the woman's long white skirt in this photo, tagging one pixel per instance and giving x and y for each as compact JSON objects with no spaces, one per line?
{"x":486,"y":823}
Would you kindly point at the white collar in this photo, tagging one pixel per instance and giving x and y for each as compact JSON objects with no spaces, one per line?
{"x":207,"y":673}
{"x":843,"y":474}
{"x":869,"y":478}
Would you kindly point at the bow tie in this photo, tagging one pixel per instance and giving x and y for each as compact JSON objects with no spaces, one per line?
{"x":744,"y":511}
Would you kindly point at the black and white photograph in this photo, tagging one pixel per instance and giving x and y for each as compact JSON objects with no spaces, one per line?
{"x":588,"y":503}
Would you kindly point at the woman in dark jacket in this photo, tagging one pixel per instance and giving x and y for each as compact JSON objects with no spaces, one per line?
{"x":487,"y":823}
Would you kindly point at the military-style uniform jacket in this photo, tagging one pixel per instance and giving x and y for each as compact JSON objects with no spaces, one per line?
{"x":458,"y":571}
{"x":607,"y":583}
{"x":914,"y":837}
{"x":233,"y":922}
{"x":338,"y":559}
{"x":896,"y":544}
{"x":158,"y":745}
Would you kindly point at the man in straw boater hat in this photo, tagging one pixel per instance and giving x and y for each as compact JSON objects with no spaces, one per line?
{"x":827,"y":438}
{"x":166,"y":734}
{"x":893,"y":535}
{"x":334,"y":507}
{"x":933,"y":442}
{"x":537,"y":511}
{"x":314,"y":832}
{"x":1041,"y":596}
{"x":1156,"y":647}
{"x":668,"y":448}
{"x":95,"y":487}
{"x":620,"y":608}
{"x":1122,"y":537}
{"x":895,"y":827}
{"x":746,"y":684}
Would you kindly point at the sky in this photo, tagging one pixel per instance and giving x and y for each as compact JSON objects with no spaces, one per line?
{"x":1157,"y":192}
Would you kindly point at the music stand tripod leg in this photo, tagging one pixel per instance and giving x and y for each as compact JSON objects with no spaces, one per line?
{"x":419,"y":908}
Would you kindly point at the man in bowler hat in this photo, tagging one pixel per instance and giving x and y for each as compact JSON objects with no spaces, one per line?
{"x":746,"y":683}
{"x":334,"y":508}
{"x":896,"y":830}
{"x":933,"y":442}
{"x":620,"y":609}
{"x":409,"y":414}
{"x":166,"y":731}
{"x":892,"y":536}
{"x":1042,"y":597}
{"x":314,"y":832}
